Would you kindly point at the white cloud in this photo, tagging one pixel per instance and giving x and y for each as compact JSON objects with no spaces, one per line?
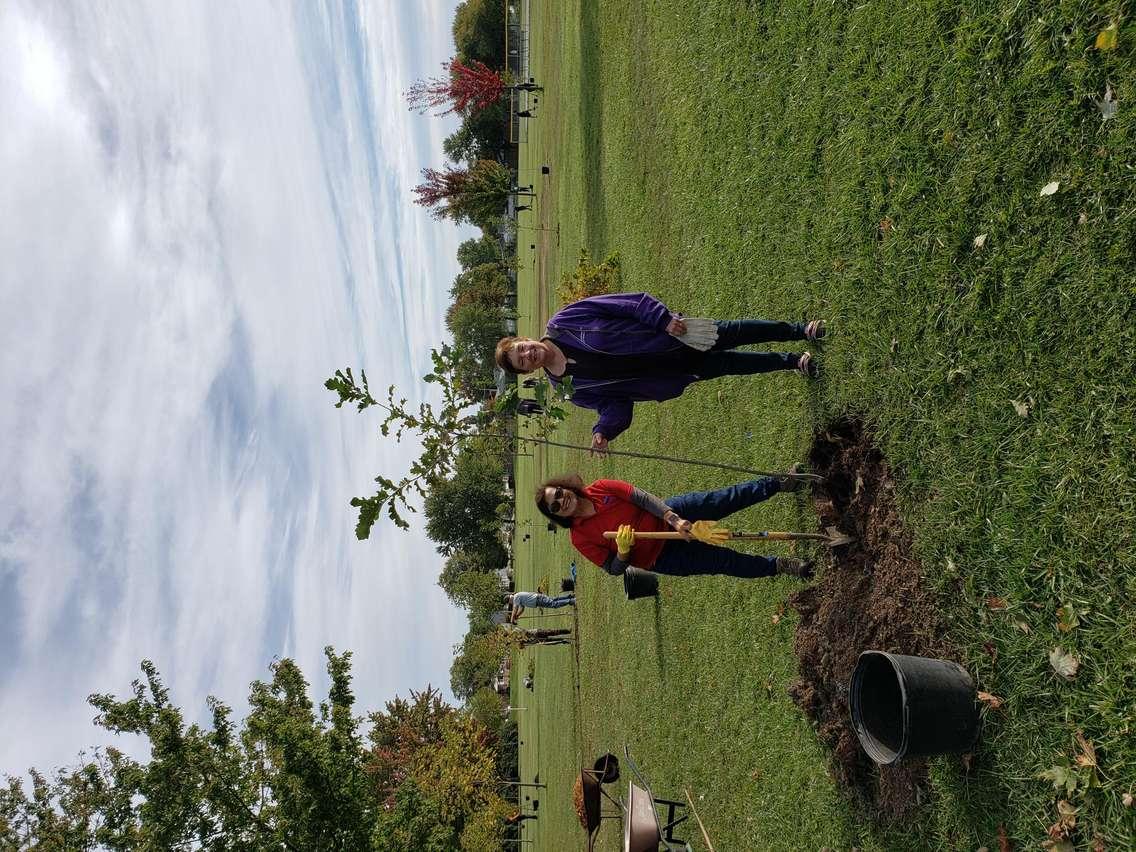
{"x":207,"y":211}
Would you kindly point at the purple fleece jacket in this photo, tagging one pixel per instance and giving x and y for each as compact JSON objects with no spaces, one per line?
{"x":618,"y":324}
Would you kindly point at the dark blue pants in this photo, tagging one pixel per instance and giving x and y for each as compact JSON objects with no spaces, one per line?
{"x":722,"y":361}
{"x":690,"y":558}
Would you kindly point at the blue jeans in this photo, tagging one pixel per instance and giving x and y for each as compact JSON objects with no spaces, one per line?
{"x":691,"y":558}
{"x":722,"y":361}
{"x":545,"y":602}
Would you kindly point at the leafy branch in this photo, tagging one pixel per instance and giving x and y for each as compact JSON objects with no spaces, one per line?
{"x":440,"y":430}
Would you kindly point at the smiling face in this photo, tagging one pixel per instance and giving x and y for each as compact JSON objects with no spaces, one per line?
{"x":526,"y":355}
{"x":561,"y":501}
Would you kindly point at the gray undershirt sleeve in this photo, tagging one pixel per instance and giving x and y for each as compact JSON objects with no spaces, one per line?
{"x":614,"y":565}
{"x":649,"y":502}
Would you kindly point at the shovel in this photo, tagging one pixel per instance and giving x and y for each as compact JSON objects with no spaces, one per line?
{"x":710,"y":533}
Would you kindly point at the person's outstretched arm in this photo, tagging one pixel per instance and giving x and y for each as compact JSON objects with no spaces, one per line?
{"x":615,"y":417}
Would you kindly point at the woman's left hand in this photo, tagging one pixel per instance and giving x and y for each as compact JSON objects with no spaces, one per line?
{"x":680,"y":525}
{"x":676,"y":327}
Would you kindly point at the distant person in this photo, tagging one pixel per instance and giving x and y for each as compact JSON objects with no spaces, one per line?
{"x":624,"y":348}
{"x":609,"y":505}
{"x":518,"y":601}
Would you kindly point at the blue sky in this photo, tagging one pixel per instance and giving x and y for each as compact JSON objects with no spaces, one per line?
{"x":206,"y":210}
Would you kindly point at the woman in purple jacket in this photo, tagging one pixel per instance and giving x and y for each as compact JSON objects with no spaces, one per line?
{"x":626,"y":347}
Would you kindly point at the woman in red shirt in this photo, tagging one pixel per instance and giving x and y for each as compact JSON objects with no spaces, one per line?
{"x":609,"y":504}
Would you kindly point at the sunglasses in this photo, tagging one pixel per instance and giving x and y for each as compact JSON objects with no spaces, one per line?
{"x":557,"y":501}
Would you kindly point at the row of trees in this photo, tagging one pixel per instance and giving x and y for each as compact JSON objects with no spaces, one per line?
{"x":419,"y":774}
{"x":464,"y":500}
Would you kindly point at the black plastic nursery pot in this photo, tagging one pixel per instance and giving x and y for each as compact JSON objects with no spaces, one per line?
{"x":638,"y":583}
{"x":912,"y":707}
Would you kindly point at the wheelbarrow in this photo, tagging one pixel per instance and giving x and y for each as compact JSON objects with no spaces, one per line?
{"x":643,"y":831}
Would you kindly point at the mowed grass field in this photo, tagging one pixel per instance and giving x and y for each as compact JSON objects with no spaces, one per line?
{"x":881,"y":166}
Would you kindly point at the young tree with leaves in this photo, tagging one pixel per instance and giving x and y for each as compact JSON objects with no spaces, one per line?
{"x":476,"y":194}
{"x":465,"y":87}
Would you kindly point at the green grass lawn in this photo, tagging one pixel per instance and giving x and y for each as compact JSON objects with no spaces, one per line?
{"x":840,"y":159}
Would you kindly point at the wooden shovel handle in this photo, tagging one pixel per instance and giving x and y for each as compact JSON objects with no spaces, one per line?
{"x":764,"y":535}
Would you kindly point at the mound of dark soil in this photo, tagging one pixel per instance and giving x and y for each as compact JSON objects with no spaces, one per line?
{"x":869,"y":595}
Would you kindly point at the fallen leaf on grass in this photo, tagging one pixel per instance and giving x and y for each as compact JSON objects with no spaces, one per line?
{"x":1049,"y":189}
{"x":1022,"y":408}
{"x":1003,"y":840}
{"x":1022,"y":626}
{"x":980,"y":241}
{"x":886,"y":225}
{"x":1083,"y":218}
{"x":1066,"y":820}
{"x":1065,"y":663}
{"x":1067,"y":618}
{"x":776,"y":617}
{"x":1108,"y":38}
{"x":1106,"y":104}
{"x":1088,"y":755}
{"x":995,"y":603}
{"x":989,"y":648}
{"x":1127,"y":800}
{"x":1098,"y":844}
{"x":1058,"y":846}
{"x":1062,"y":777}
{"x":991,"y":701}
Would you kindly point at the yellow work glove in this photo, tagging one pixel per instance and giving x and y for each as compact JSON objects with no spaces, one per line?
{"x":624,"y":541}
{"x":709,"y":532}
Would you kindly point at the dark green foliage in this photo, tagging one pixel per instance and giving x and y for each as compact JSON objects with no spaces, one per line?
{"x":479,"y":32}
{"x":482,"y":250}
{"x":461,"y":510}
{"x":292,"y":776}
{"x":483,"y":135}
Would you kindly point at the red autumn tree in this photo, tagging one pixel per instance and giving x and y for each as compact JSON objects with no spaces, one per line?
{"x":438,"y":186}
{"x":475,"y":86}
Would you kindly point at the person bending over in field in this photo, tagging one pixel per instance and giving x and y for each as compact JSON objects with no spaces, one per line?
{"x":624,"y":348}
{"x":611,"y":504}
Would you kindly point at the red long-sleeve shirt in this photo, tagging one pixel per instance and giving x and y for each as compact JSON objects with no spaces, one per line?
{"x":612,"y":499}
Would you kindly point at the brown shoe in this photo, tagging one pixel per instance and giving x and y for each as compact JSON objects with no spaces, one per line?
{"x":794,"y":567}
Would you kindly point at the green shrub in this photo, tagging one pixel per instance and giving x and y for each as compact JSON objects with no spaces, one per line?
{"x":588,"y":279}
